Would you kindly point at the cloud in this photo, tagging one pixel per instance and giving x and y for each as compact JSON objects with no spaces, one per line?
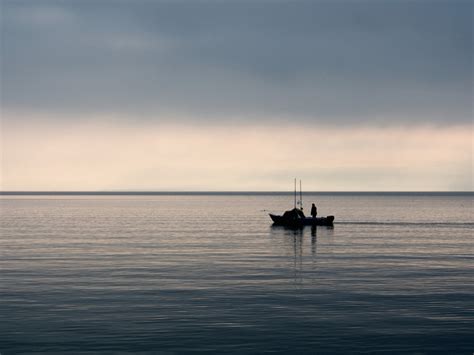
{"x":346,"y":62}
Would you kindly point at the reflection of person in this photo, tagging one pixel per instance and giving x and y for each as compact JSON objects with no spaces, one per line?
{"x":314,"y":211}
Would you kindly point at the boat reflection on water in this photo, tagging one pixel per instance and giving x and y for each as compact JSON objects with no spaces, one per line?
{"x":299,"y":247}
{"x":290,"y":241}
{"x":292,"y":233}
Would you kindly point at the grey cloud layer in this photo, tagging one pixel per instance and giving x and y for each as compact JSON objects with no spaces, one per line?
{"x":353,"y":61}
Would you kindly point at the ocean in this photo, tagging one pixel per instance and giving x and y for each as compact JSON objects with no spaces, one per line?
{"x":208,"y":273}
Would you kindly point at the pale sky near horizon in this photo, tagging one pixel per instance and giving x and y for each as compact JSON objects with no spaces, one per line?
{"x":236,"y":95}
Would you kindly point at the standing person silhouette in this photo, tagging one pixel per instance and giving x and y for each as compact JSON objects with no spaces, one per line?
{"x":314,"y":211}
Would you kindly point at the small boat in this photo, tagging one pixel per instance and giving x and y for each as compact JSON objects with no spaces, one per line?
{"x":296,"y":217}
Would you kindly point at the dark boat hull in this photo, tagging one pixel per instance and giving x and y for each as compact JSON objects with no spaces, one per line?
{"x":299,"y":222}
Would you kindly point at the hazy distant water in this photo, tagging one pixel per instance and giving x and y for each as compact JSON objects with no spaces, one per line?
{"x":204,"y":273}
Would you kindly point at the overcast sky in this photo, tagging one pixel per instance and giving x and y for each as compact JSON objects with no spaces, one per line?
{"x":357,"y":65}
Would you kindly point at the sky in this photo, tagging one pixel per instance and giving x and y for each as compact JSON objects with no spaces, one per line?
{"x":353,"y":95}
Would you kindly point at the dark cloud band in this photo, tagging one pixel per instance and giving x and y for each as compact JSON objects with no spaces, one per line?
{"x":351,"y":61}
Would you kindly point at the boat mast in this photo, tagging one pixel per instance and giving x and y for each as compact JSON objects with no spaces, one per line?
{"x":295,"y":192}
{"x":301,"y":198}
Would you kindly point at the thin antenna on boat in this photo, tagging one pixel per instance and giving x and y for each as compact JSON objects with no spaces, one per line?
{"x":295,"y":192}
{"x":301,"y":198}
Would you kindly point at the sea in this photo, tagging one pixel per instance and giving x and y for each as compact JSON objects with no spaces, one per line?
{"x":174,"y":273}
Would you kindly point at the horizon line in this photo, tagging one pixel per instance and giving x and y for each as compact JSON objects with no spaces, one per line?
{"x":216,"y":192}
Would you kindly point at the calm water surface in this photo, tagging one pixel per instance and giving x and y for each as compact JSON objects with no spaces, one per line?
{"x":206,"y":273}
